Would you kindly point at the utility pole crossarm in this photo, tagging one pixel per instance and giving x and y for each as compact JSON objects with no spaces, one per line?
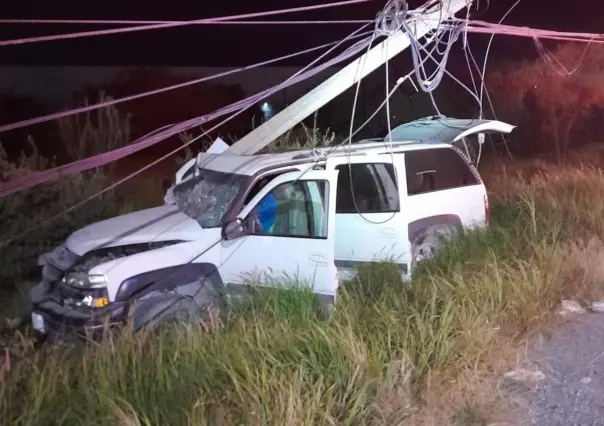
{"x":344,"y":79}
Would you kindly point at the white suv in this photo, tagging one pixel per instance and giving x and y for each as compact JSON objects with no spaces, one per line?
{"x":306,"y":217}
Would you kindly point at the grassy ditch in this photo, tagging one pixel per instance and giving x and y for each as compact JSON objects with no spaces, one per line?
{"x":427,"y":354}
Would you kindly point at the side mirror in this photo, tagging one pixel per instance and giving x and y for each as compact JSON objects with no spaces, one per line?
{"x":233,"y":229}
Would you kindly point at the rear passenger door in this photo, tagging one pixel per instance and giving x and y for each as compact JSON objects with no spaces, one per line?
{"x":369,"y":226}
{"x":443,"y":187}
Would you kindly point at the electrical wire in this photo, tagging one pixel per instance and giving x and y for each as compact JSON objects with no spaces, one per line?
{"x":392,"y":19}
{"x":105,"y":158}
{"x":63,"y":114}
{"x":349,"y":52}
{"x":131,"y":29}
{"x":481,"y":27}
{"x":486,"y":56}
{"x":351,"y":134}
{"x":467,"y":52}
{"x":491,"y":106}
{"x":387,"y":107}
{"x":40,"y":224}
{"x":429,"y":84}
{"x":555,"y":63}
{"x":389,"y":21}
{"x":483,"y":87}
{"x":142,"y":22}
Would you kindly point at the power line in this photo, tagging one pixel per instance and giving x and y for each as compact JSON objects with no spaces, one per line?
{"x":105,"y":158}
{"x":235,"y":109}
{"x":176,"y":24}
{"x":481,"y":27}
{"x":142,"y":22}
{"x":63,"y":114}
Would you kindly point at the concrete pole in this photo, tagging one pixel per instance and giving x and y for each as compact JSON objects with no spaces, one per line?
{"x":343,"y":79}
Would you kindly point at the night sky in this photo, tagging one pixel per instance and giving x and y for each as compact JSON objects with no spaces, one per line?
{"x":224,"y":45}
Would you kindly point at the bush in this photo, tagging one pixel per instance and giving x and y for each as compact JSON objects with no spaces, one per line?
{"x":26,"y":210}
{"x":82,"y":135}
{"x":94,"y":132}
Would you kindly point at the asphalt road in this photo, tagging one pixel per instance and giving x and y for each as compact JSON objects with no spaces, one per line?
{"x":572,"y":360}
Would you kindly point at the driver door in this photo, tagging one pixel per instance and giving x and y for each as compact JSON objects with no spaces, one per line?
{"x":297,"y":248}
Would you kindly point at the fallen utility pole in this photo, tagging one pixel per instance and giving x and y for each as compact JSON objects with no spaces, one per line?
{"x":344,"y":79}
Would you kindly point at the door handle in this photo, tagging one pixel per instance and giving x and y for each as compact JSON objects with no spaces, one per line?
{"x":388,"y":232}
{"x":318,"y":259}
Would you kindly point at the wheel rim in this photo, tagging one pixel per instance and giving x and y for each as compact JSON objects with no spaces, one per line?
{"x":425,"y":251}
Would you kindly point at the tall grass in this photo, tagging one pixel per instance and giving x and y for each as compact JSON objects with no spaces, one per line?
{"x":428,"y":353}
{"x":389,"y":354}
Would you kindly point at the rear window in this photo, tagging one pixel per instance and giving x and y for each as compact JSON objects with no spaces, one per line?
{"x":430,"y":170}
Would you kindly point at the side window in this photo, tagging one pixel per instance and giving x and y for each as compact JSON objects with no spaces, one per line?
{"x":292,"y":209}
{"x":367,"y":188}
{"x":431,"y":170}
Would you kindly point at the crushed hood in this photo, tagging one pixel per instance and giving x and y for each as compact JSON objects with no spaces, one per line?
{"x":444,"y":129}
{"x":165,"y":223}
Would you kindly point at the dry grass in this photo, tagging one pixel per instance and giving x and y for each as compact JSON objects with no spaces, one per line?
{"x":426,"y":355}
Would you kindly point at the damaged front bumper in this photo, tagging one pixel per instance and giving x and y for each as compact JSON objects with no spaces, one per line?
{"x":53,"y":317}
{"x":62,"y":310}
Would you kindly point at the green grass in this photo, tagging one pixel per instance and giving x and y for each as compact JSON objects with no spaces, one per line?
{"x":389,"y":354}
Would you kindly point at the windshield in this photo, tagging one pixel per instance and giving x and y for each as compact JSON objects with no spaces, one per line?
{"x":207,"y":197}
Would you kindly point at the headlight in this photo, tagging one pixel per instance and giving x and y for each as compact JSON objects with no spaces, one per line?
{"x":83,"y":280}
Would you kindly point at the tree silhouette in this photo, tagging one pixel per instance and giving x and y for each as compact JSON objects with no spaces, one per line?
{"x":152,"y":112}
{"x":554,"y":98}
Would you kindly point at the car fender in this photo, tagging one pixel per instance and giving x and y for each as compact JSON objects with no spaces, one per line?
{"x":167,"y":278}
{"x":416,"y":227}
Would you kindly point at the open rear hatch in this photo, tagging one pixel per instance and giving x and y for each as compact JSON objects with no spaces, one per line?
{"x":445,"y":130}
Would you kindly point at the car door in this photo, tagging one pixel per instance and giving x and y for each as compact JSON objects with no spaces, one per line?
{"x":297,"y":248}
{"x":369,"y":225}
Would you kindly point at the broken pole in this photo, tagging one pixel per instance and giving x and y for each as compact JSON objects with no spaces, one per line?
{"x":338,"y":83}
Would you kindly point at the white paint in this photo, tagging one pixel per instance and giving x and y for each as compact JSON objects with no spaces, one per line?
{"x":165,"y":223}
{"x":351,"y":237}
{"x":308,"y":260}
{"x":372,"y":237}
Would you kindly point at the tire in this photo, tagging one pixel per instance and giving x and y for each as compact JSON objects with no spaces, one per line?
{"x":181,"y":305}
{"x":183,"y":310}
{"x":426,"y":245}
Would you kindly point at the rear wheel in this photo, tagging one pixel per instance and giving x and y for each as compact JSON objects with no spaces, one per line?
{"x":427,"y":244}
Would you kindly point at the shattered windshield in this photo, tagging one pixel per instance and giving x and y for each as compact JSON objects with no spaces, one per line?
{"x":207,"y":197}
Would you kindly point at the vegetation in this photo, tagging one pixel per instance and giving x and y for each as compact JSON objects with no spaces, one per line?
{"x":389,"y":355}
{"x":555,"y":100}
{"x":92,"y":134}
{"x":430,"y":353}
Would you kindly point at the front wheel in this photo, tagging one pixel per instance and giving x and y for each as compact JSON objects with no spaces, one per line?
{"x":163,"y":310}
